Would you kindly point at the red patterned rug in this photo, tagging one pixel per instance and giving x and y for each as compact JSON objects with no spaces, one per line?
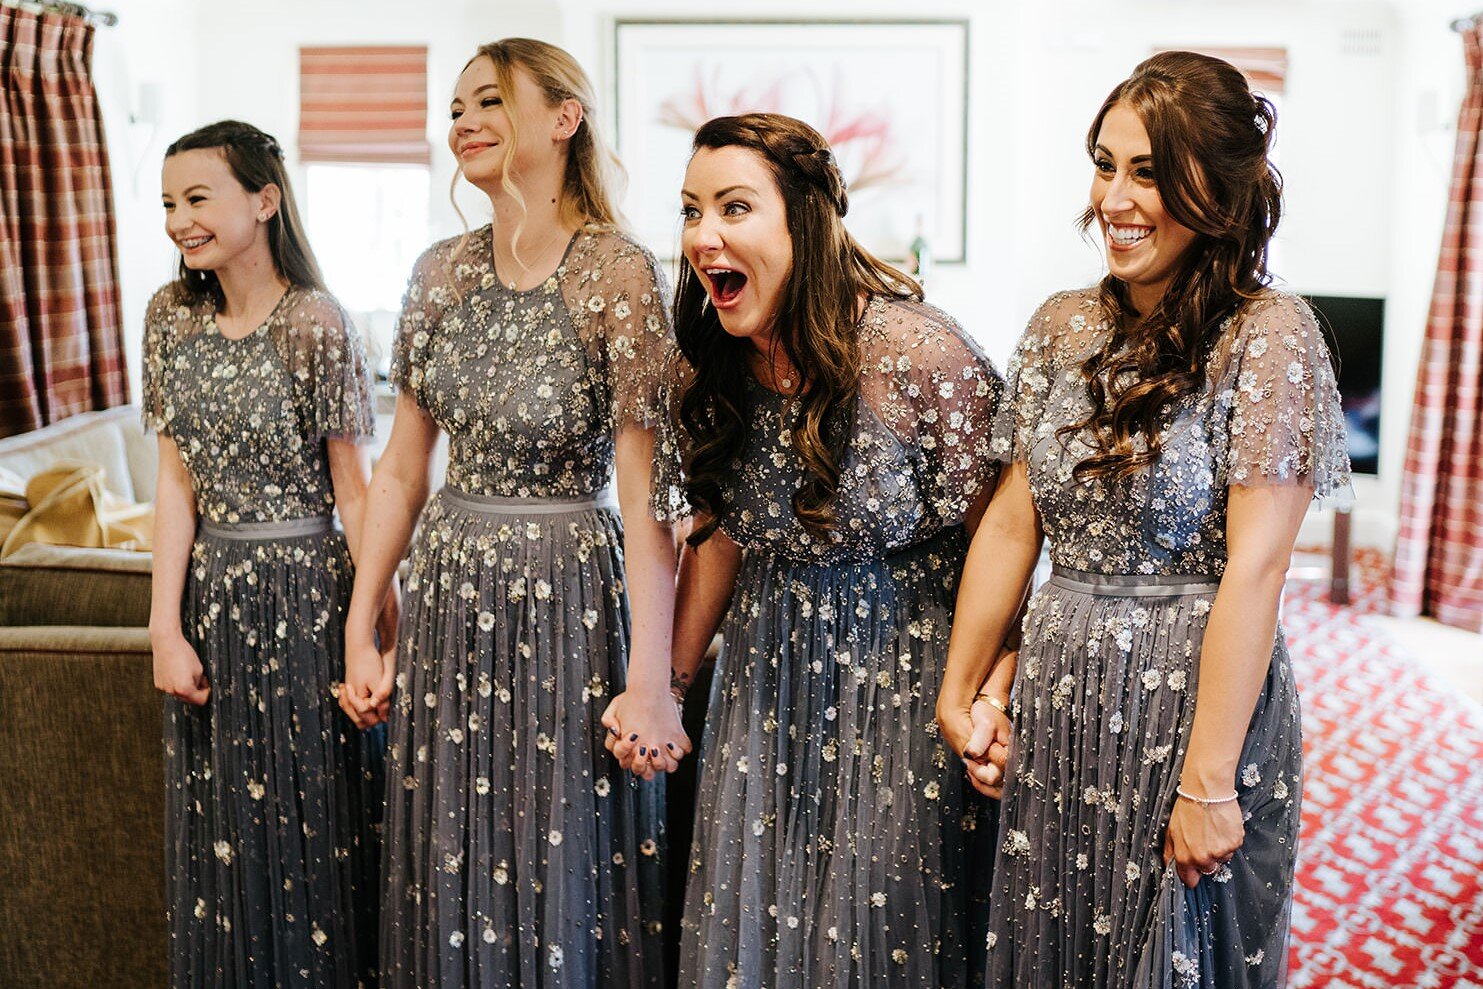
{"x":1390,"y":875}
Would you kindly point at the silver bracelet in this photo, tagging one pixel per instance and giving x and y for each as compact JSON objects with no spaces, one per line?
{"x":1204,"y":801}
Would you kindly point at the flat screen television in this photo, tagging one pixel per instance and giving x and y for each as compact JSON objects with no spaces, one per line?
{"x":1355,"y":330}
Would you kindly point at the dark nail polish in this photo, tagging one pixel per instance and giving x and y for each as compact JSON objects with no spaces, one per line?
{"x":643,"y":751}
{"x":634,"y":737}
{"x":613,"y":732}
{"x":669,"y":745}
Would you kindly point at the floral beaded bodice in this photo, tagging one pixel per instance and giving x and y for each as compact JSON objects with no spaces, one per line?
{"x":250,"y":416}
{"x":916,"y":457}
{"x":1270,"y":415}
{"x":532,"y":386}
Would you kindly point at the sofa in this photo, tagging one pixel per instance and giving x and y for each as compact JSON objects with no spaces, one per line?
{"x":82,"y":795}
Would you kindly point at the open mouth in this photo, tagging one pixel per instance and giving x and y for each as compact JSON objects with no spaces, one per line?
{"x":191,"y":243}
{"x":726,"y":285}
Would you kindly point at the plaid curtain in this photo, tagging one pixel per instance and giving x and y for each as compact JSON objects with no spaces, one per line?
{"x":1439,"y":554}
{"x":61,"y":338}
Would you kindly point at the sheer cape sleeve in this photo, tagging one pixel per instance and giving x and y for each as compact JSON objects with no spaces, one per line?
{"x":326,"y":362}
{"x":1286,"y":425}
{"x":167,"y":305}
{"x":667,"y":477}
{"x":932,"y":386}
{"x":1065,"y":323}
{"x":430,"y":293}
{"x":618,"y":300}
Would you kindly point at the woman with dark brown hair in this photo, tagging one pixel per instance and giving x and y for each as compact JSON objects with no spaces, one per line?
{"x":1166,"y":431}
{"x":829,"y":434}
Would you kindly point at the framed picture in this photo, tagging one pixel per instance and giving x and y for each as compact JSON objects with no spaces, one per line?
{"x":889,"y":96}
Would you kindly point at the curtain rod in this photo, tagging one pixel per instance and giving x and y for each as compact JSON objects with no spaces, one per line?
{"x":107,"y":18}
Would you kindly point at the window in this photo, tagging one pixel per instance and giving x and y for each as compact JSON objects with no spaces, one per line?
{"x":363,"y":142}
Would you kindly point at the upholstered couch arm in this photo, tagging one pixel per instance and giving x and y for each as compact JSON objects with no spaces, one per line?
{"x":81,"y":809}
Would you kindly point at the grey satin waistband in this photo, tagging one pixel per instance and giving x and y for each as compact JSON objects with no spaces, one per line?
{"x":1133,"y":585}
{"x":492,"y":505}
{"x":314,"y":525}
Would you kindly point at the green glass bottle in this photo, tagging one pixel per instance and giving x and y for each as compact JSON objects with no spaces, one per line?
{"x":919,"y":255}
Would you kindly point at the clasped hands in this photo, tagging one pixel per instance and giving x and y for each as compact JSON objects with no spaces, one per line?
{"x":644,"y":732}
{"x":979,"y":734}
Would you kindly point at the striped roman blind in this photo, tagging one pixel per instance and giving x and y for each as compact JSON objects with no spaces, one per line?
{"x":363,"y":104}
{"x":1265,"y":69}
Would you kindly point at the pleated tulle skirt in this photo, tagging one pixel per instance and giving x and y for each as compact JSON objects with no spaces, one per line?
{"x":518,"y":853}
{"x":837,"y":842}
{"x":1104,"y":702}
{"x":272,"y":796}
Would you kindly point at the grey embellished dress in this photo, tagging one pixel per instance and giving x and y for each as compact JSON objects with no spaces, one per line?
{"x":1105,"y":692}
{"x":272,"y":795}
{"x":518,"y":852}
{"x":837,"y":842}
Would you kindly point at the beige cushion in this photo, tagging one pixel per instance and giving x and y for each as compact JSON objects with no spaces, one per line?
{"x":67,"y":585}
{"x":113,"y":439}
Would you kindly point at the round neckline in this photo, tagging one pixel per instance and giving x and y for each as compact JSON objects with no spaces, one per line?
{"x":538,"y":286}
{"x":256,"y":329}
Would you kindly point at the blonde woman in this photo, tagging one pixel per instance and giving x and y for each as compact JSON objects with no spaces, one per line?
{"x":517,"y":852}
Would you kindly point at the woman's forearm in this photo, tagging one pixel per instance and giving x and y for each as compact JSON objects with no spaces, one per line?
{"x":707,"y":579}
{"x":349,"y":472}
{"x":649,"y":565}
{"x":1000,"y":560}
{"x":174,"y":534}
{"x":397,"y":491}
{"x":1261,"y":527}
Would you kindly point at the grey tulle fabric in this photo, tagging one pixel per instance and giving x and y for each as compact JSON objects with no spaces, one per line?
{"x":837,"y":842}
{"x":272,"y":796}
{"x":1105,"y":692}
{"x":518,"y":852}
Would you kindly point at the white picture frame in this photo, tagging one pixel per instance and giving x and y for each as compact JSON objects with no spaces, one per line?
{"x":890,"y":96}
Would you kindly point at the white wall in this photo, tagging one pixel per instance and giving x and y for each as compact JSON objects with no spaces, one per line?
{"x":1364,"y":137}
{"x":146,"y":71}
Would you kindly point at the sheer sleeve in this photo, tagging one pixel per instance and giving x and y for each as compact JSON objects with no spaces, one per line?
{"x":1286,"y":423}
{"x":936,"y":391}
{"x":668,"y":473}
{"x":618,"y":299}
{"x":429,"y":294}
{"x":327,"y":363}
{"x":155,"y":408}
{"x":1032,"y":370}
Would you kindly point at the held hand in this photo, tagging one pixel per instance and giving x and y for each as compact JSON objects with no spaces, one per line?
{"x":987,"y":750}
{"x":365,"y":692}
{"x":975,"y":741}
{"x":1202,"y":839}
{"x":644,"y":732}
{"x":178,"y":671}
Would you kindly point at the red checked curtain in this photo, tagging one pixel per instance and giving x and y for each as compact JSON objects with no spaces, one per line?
{"x":1439,"y":554}
{"x":61,"y":336}
{"x":363,"y":105}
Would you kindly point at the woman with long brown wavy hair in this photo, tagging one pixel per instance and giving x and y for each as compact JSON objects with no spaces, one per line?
{"x":829,"y":433}
{"x":1166,"y":431}
{"x":517,"y":852}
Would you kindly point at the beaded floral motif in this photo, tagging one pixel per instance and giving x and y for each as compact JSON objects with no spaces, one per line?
{"x":247,"y":414}
{"x":531,"y":387}
{"x":1270,"y":416}
{"x":918,"y":455}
